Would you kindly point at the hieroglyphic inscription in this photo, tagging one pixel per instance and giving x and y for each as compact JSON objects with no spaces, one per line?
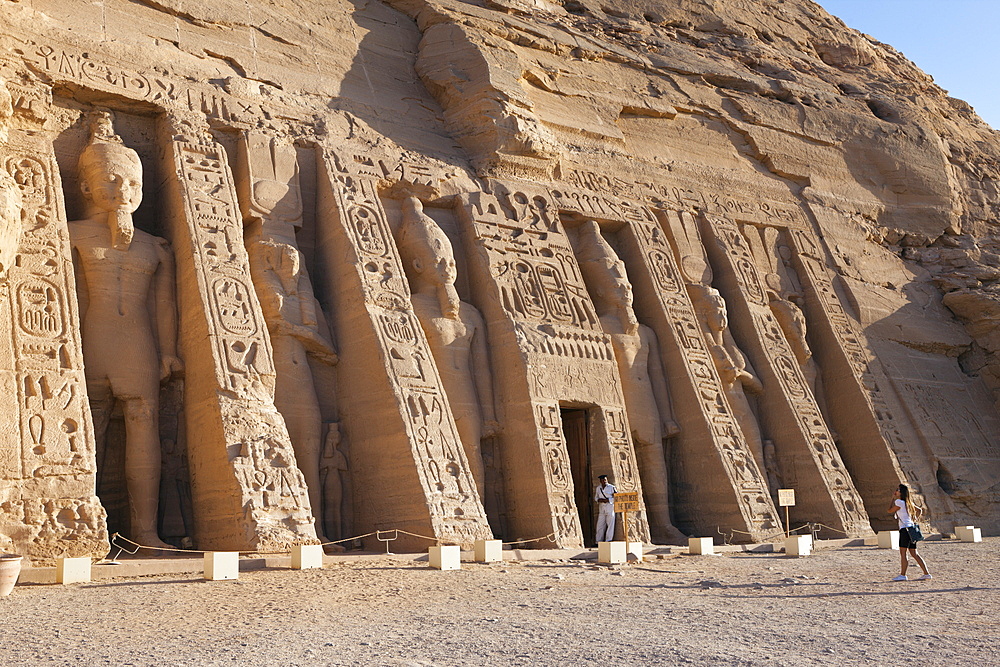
{"x":49,"y":445}
{"x":534,"y":265}
{"x":272,"y":491}
{"x":816,"y":278}
{"x":64,"y":63}
{"x":223,"y":267}
{"x":456,"y":513}
{"x":813,"y":435}
{"x":558,"y":476}
{"x":588,"y":190}
{"x":717,"y":424}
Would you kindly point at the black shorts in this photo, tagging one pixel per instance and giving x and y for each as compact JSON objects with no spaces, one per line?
{"x":904,"y":540}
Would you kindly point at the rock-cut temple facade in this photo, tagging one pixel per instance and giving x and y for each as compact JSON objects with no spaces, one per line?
{"x":283,"y":272}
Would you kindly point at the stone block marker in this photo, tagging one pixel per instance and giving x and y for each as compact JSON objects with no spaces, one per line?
{"x":888,"y":539}
{"x":969,"y":533}
{"x":307,"y":557}
{"x":489,"y":551}
{"x":73,"y":570}
{"x":798,"y":545}
{"x":611,"y":553}
{"x":222,"y":565}
{"x":701,"y":546}
{"x":446,"y":558}
{"x":634,"y":549}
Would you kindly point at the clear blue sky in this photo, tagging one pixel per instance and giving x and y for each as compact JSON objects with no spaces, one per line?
{"x":955,"y":41}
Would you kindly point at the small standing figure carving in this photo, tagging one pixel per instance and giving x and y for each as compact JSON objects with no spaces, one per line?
{"x":125,"y":286}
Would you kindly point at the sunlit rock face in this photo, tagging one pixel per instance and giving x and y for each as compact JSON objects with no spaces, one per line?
{"x":283,"y":272}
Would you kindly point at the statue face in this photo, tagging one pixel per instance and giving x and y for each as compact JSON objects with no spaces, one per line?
{"x":442,"y":269}
{"x":621,"y":288}
{"x":114,"y":184}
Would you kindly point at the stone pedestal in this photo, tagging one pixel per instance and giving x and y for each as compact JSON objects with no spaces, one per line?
{"x":307,"y":557}
{"x":798,"y":545}
{"x":73,"y":570}
{"x":222,"y":565}
{"x":969,"y":533}
{"x":489,"y":551}
{"x":611,"y":553}
{"x":701,"y":546}
{"x":445,"y":558}
{"x":888,"y":539}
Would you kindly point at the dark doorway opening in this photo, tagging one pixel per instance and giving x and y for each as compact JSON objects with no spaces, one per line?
{"x":576,"y":430}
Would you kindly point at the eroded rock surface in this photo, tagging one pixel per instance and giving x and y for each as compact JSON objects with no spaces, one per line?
{"x":805,"y":221}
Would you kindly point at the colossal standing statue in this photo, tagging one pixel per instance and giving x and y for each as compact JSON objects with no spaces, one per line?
{"x":125,"y":286}
{"x":455,"y":331}
{"x":10,"y":194}
{"x":738,"y":376}
{"x":644,"y":383}
{"x":292,"y":317}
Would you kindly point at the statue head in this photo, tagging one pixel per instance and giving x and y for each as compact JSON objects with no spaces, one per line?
{"x":709,"y":302}
{"x":111,"y":178}
{"x":428,"y":254}
{"x":605,"y":275}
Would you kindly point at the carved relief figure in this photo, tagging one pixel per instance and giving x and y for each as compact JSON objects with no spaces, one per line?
{"x":10,"y":194}
{"x":336,"y":482}
{"x":291,"y":313}
{"x":125,"y":285}
{"x":735,"y":371}
{"x":271,"y":202}
{"x":455,"y":331}
{"x":644,"y":383}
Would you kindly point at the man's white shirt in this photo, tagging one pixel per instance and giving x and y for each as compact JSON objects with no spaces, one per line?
{"x":608,"y":491}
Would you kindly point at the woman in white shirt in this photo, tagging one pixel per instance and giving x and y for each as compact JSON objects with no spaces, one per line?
{"x":906,"y":512}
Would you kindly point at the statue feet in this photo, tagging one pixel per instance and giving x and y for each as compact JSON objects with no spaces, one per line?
{"x":668,"y":535}
{"x":151,"y":540}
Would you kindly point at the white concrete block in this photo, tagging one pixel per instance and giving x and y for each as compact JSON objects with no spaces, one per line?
{"x":871,"y":541}
{"x":446,"y":558}
{"x":73,"y":570}
{"x":704,"y":546}
{"x":969,"y":533}
{"x":489,"y":551}
{"x":888,"y":539}
{"x":798,"y":545}
{"x":610,"y":553}
{"x":635,"y":548}
{"x":307,"y":557}
{"x":222,"y":565}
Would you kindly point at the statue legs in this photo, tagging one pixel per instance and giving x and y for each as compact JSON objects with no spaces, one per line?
{"x":655,"y":491}
{"x":142,"y":468}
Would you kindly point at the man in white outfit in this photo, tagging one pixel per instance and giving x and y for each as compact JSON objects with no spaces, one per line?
{"x":604,"y":494}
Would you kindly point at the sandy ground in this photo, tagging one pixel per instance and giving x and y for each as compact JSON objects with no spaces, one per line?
{"x":837,"y":606}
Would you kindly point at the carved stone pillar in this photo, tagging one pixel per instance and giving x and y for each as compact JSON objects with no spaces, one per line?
{"x":870,"y":438}
{"x":555,"y":354}
{"x":408,"y":467}
{"x":809,"y":459}
{"x":247,"y":491}
{"x":48,"y":506}
{"x":716,"y":483}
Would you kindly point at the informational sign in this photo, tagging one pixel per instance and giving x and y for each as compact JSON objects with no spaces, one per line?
{"x":786,"y":497}
{"x":627,"y":501}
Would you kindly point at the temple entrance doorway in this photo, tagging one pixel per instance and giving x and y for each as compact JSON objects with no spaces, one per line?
{"x":576,"y":430}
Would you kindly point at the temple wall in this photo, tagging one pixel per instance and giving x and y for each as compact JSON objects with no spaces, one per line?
{"x":432,"y":266}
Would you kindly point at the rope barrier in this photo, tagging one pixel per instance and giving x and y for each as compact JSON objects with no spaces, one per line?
{"x":399,"y":531}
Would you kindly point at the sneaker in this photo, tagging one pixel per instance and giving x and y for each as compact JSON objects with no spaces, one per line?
{"x":899,"y":577}
{"x":926,"y":576}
